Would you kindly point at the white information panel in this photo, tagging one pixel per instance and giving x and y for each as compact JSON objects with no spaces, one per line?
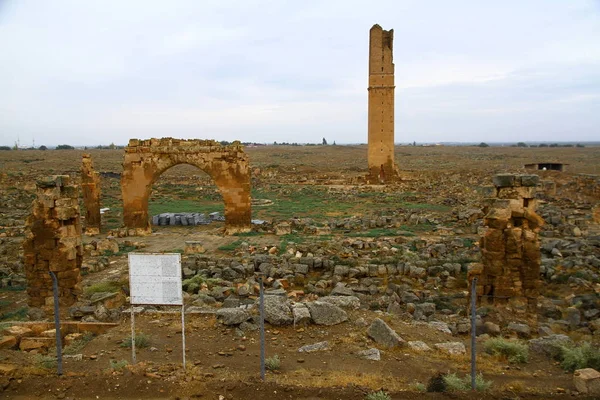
{"x":155,"y":279}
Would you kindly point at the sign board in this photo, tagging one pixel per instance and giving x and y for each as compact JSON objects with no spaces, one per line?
{"x":155,"y":279}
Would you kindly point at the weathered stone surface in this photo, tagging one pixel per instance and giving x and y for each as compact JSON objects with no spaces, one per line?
{"x":18,"y":331}
{"x":90,"y":187}
{"x":418,"y":345}
{"x":301,"y":314}
{"x":510,"y":248}
{"x":549,"y":345}
{"x":350,"y":302}
{"x":370,"y":354}
{"x":145,"y":160}
{"x":310,"y":348}
{"x":277,"y":311}
{"x":232,"y":316}
{"x":8,"y":342}
{"x":323,"y":313}
{"x":107,"y":245}
{"x":54,"y":243}
{"x":452,"y":348}
{"x":587,"y":381}
{"x":382,"y":334}
{"x":522,"y":330}
{"x":381,"y":107}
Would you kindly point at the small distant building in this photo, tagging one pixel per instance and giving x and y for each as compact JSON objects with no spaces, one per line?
{"x":551,"y":166}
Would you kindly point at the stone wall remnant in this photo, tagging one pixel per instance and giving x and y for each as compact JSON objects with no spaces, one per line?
{"x":90,"y":187}
{"x":382,"y":168}
{"x":54,"y":243}
{"x":146,"y":160}
{"x":510,"y":247}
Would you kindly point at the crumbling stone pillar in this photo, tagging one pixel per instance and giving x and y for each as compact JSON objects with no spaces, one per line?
{"x":90,"y":186}
{"x":382,"y":168}
{"x":54,"y":243}
{"x":510,"y":247}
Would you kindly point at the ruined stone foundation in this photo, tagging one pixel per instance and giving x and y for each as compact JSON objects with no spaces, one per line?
{"x":510,"y":247}
{"x":90,"y":186}
{"x":54,"y":243}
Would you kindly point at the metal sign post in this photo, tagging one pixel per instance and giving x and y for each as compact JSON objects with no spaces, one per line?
{"x":262,"y":327}
{"x":155,"y":279}
{"x":473,"y":330}
{"x":59,"y":365}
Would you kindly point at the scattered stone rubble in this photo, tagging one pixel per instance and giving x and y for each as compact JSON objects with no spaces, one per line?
{"x":54,"y":243}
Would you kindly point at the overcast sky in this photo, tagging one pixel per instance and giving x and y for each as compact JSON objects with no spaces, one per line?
{"x":95,"y":72}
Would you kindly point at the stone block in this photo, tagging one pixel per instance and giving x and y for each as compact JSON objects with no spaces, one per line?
{"x":529,"y":180}
{"x":587,"y":381}
{"x":8,"y":342}
{"x":504,"y":180}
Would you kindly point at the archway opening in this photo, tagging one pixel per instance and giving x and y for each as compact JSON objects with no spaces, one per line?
{"x":184,"y":195}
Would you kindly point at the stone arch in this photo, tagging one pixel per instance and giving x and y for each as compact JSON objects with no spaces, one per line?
{"x":146,"y":160}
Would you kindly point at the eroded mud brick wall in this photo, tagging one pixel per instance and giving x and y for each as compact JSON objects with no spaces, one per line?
{"x":510,"y":247}
{"x":146,"y":160}
{"x":54,"y":243}
{"x":381,"y":106}
{"x":90,"y":186}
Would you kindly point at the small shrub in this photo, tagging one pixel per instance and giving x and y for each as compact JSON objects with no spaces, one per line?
{"x":141,"y":341}
{"x":106,"y":286}
{"x":76,"y":346}
{"x":381,"y":395}
{"x":117,"y":365}
{"x":419,"y":387}
{"x":64,"y":147}
{"x":456,"y":384}
{"x":578,"y":357}
{"x":46,"y":361}
{"x":231,"y":246}
{"x":273,"y":363}
{"x":515,"y":352}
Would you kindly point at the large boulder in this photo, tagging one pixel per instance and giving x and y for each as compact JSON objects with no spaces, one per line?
{"x":382,"y":334}
{"x":277,"y":311}
{"x":232,"y":316}
{"x":587,"y":381}
{"x":301,"y":314}
{"x":549,"y":345}
{"x":323,"y":313}
{"x":107,"y":245}
{"x":351,"y":302}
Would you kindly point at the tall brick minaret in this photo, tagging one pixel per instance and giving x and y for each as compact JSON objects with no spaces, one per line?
{"x":381,"y":106}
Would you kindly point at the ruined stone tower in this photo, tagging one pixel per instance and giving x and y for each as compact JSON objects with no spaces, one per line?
{"x":381,"y":106}
{"x":510,"y":246}
{"x":90,"y":185}
{"x":54,"y":243}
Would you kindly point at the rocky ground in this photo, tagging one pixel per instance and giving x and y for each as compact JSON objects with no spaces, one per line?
{"x":371,"y":278}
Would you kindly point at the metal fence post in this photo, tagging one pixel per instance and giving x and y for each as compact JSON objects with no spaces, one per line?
{"x":59,"y":365}
{"x":262,"y":328}
{"x":473,"y":330}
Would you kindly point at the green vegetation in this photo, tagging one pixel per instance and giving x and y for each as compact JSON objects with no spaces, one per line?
{"x":516,"y":352}
{"x":577,"y":357}
{"x":12,"y":289}
{"x":76,"y":346}
{"x":4,"y":147}
{"x":165,"y":205}
{"x":117,"y":365}
{"x":247,"y":234}
{"x":106,"y":286}
{"x":64,"y":147}
{"x":456,"y":384}
{"x":19,"y":314}
{"x":46,"y":361}
{"x":141,"y":341}
{"x":381,"y":395}
{"x":379,"y":232}
{"x":273,"y":363}
{"x":482,"y":144}
{"x":231,"y":246}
